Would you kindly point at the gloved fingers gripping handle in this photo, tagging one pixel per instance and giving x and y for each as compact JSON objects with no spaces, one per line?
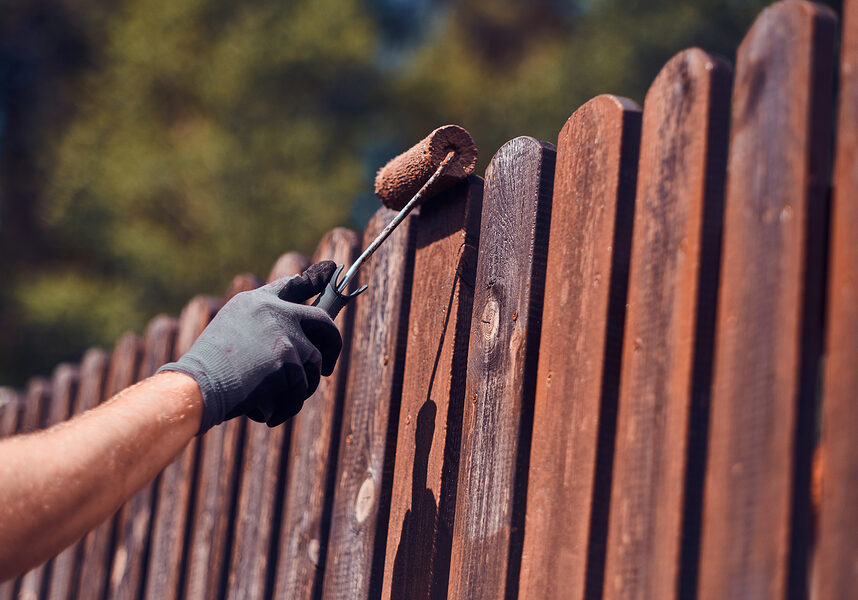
{"x":264,"y":350}
{"x":300,"y":288}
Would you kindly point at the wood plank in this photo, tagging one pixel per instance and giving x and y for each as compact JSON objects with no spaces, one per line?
{"x":37,"y":400}
{"x":580,"y":350}
{"x":355,"y":555}
{"x":312,"y":458}
{"x":98,"y":544}
{"x":175,"y":495}
{"x":502,"y":362}
{"x":756,"y":513}
{"x":213,"y":517}
{"x":670,"y":318}
{"x":33,"y":417}
{"x":10,"y":406}
{"x":128,"y":571}
{"x":65,"y":577}
{"x":422,"y":510}
{"x":836,"y":555}
{"x":60,"y":405}
{"x":260,"y":492}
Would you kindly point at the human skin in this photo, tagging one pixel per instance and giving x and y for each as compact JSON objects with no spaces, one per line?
{"x":59,"y":483}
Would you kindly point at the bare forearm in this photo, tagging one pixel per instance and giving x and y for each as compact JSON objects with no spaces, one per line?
{"x":57,"y":484}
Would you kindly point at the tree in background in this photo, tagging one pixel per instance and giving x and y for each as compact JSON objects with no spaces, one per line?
{"x":154,"y":148}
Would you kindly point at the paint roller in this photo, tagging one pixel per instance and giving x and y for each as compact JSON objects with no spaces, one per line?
{"x":441,"y":159}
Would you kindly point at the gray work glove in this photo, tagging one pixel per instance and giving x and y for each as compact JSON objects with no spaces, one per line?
{"x":263,"y":353}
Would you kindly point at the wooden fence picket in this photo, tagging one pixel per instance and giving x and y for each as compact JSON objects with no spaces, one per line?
{"x":259,"y":488}
{"x":836,"y":558}
{"x":58,"y":407}
{"x":213,"y":516}
{"x":580,"y":346}
{"x":423,"y":499}
{"x":502,"y":360}
{"x":312,"y":456}
{"x":34,"y":416}
{"x":599,"y":373}
{"x":65,"y":575}
{"x":670,"y":317}
{"x":128,"y":569}
{"x":768,"y":333}
{"x":175,"y":495}
{"x":10,"y":405}
{"x":373,"y":389}
{"x":98,"y":544}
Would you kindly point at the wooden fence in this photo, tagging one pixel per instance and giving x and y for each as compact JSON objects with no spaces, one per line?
{"x":623,"y":367}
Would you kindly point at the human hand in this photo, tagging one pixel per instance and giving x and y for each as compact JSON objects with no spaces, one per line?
{"x":264,"y":352}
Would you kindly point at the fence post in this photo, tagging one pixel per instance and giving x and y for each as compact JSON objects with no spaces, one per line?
{"x":355,"y":556}
{"x":66,"y":568}
{"x":98,"y":545}
{"x":33,"y":416}
{"x":580,"y":346}
{"x":670,"y":318}
{"x":502,"y":361}
{"x":257,"y":517}
{"x":426,"y":469}
{"x":63,"y":388}
{"x":768,"y":332}
{"x":213,"y":516}
{"x":167,"y":556}
{"x":128,"y":569}
{"x":10,"y":406}
{"x":312,"y":458}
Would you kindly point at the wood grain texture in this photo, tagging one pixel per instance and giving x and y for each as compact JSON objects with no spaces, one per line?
{"x":312,"y":456}
{"x":134,"y":527}
{"x":502,"y":363}
{"x":756,"y":505}
{"x":580,"y":348}
{"x":65,"y":575}
{"x":258,"y":513}
{"x":836,"y":554}
{"x":99,"y":543}
{"x":423,"y":498}
{"x":670,"y":316}
{"x":213,"y":515}
{"x":355,"y":556}
{"x":64,"y":381}
{"x":175,"y":495}
{"x":36,"y":416}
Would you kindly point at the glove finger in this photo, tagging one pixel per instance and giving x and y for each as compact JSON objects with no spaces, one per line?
{"x":310,"y":283}
{"x":324,"y":335}
{"x":311,"y":358}
{"x":288,"y":407}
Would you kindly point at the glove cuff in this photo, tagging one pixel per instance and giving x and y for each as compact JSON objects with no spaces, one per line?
{"x":202,"y":362}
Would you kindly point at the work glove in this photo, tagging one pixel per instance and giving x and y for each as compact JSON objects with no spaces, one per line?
{"x":264,"y":352}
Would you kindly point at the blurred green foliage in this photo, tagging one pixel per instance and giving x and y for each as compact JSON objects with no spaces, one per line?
{"x":151,"y":149}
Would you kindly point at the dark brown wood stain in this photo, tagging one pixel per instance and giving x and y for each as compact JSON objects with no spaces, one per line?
{"x":419,"y":538}
{"x":355,"y":555}
{"x":583,"y":315}
{"x":502,"y":362}
{"x":769,"y":309}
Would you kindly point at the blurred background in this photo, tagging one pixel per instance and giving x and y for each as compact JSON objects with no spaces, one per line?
{"x":151,"y":149}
